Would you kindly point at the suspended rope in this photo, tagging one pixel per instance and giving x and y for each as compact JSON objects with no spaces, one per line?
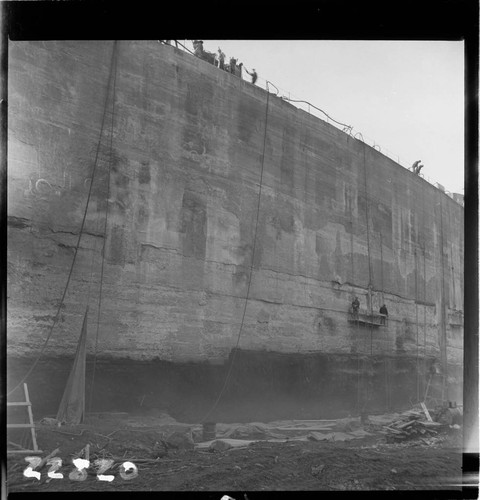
{"x":443,"y":344}
{"x":370,"y":273}
{"x":346,"y":127}
{"x":232,"y":359}
{"x":104,"y":231}
{"x":55,"y":320}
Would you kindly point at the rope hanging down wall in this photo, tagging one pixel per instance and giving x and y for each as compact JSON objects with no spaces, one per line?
{"x":92,"y":384}
{"x":232,"y":359}
{"x":55,"y":320}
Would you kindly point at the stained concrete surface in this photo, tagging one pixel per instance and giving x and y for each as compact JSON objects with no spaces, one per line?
{"x":187,"y":146}
{"x":262,"y":386}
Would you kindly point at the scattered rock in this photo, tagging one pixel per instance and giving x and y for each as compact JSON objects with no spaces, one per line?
{"x":50,"y":421}
{"x":220,"y":445}
{"x":161,"y":415}
{"x":360,"y":433}
{"x":347,"y":424}
{"x":180,"y":440}
{"x":341,"y":436}
{"x":394,"y":471}
{"x":197,"y":435}
{"x":331,"y":436}
{"x":159,"y":450}
{"x":318,"y":436}
{"x":317,"y":469}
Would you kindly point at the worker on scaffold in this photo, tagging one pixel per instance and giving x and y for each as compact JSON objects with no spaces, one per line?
{"x":355,"y":306}
{"x":384,"y":314}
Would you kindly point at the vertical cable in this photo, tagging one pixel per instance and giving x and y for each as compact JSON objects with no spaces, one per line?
{"x":367,"y":221}
{"x":416,"y":323}
{"x":443,"y":330}
{"x":424,"y":313}
{"x":370,"y":284}
{"x":381,"y":268}
{"x":55,"y":320}
{"x":229,"y":372}
{"x":115,"y":52}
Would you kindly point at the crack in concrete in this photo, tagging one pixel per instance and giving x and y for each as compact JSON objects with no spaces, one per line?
{"x":245,"y":268}
{"x":96,"y":235}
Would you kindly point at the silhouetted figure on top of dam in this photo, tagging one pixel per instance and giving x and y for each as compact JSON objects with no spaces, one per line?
{"x":221,"y":58}
{"x":253,"y":74}
{"x":417,"y":166}
{"x":198,"y":47}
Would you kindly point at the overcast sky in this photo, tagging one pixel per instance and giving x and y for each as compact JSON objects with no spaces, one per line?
{"x":405,"y":96}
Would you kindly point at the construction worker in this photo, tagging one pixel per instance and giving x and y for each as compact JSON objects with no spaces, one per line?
{"x":198,"y":47}
{"x":253,"y":74}
{"x":221,"y":58}
{"x":419,"y":167}
{"x":415,"y":165}
{"x":233,"y":63}
{"x":355,"y":306}
{"x":384,"y":314}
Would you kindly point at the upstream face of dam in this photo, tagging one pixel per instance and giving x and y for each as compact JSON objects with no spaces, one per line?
{"x":221,"y":220}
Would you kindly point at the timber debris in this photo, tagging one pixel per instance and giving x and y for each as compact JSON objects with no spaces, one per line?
{"x":410,"y":425}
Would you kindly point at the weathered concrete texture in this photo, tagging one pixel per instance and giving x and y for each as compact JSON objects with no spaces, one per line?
{"x":187,"y":149}
{"x":263,"y":386}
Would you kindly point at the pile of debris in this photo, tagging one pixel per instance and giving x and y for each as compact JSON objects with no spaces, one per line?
{"x":410,"y":425}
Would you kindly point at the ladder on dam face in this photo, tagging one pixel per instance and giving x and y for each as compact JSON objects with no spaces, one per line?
{"x":27,"y":404}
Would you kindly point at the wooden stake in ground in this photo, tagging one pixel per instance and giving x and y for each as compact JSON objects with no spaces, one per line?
{"x":45,"y":460}
{"x":427,"y":414}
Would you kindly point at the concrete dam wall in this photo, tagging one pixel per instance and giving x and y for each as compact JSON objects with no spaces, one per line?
{"x":182,"y":151}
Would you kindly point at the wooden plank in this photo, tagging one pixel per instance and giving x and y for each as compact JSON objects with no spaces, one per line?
{"x":19,"y":426}
{"x":393,"y":431}
{"x":424,"y":408}
{"x":431,"y":424}
{"x":45,"y":459}
{"x":24,"y":452}
{"x":21,"y":403}
{"x":401,"y":426}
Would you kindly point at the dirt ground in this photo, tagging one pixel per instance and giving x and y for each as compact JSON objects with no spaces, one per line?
{"x":366,"y":463}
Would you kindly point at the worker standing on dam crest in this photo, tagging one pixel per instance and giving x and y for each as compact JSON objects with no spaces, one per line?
{"x":416,"y":167}
{"x":384,"y":313}
{"x":221,"y":58}
{"x":198,"y":47}
{"x":253,"y":74}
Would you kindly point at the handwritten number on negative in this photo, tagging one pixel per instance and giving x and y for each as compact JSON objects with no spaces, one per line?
{"x":34,"y":462}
